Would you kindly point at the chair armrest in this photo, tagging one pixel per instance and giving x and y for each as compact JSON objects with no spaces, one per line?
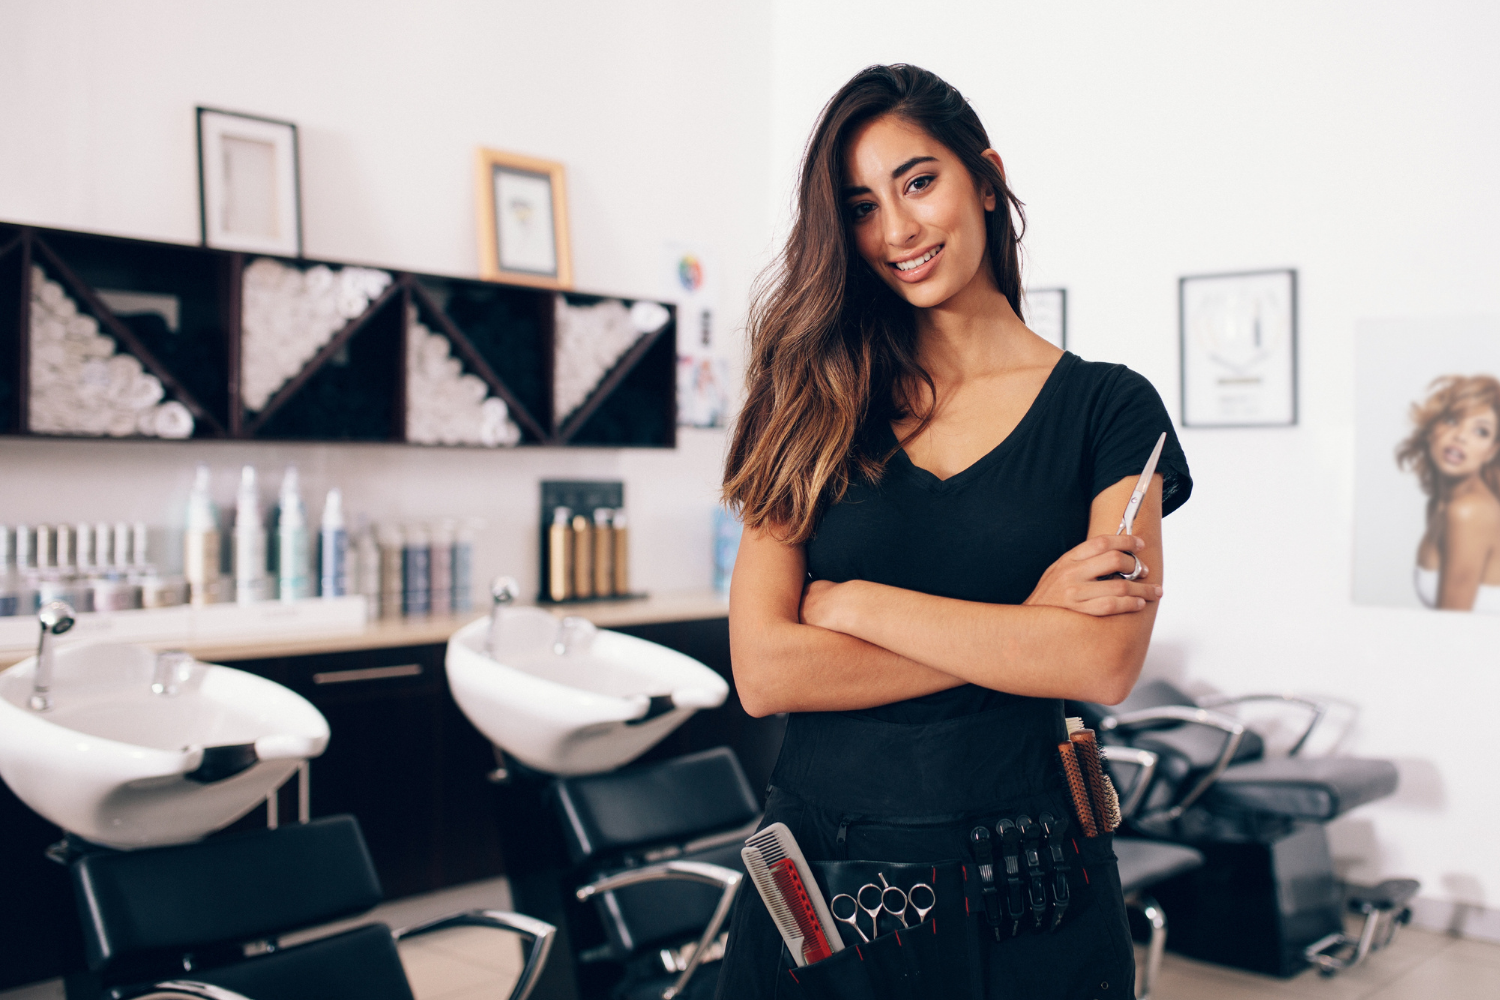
{"x":1233,"y":731}
{"x":1317,"y":709}
{"x":1145,"y":760}
{"x":177,"y":989}
{"x":686,"y":871}
{"x":539,"y":932}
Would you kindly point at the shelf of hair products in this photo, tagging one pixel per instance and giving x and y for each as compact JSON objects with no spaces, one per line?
{"x":249,"y":569}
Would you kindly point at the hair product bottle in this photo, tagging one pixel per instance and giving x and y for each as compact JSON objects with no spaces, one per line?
{"x":249,"y":542}
{"x":391,"y":576}
{"x":560,"y":555}
{"x":463,"y":568}
{"x":416,"y":566}
{"x":364,"y":573}
{"x":621,"y":562}
{"x":440,"y":568}
{"x":10,"y":580}
{"x":333,"y":548}
{"x":292,"y":581}
{"x":604,"y":553}
{"x":583,"y":557}
{"x":200,"y":544}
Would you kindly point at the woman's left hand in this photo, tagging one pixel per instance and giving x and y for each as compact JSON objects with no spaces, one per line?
{"x":820,"y":604}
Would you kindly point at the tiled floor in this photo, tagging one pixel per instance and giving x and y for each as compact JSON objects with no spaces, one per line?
{"x":471,"y":963}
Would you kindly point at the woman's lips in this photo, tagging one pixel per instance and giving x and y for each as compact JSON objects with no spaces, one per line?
{"x":1454,"y":456}
{"x":921,"y":270}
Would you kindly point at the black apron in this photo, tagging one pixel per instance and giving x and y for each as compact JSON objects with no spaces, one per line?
{"x":866,"y":798}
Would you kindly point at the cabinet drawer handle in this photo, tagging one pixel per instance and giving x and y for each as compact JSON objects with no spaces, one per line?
{"x":367,"y":674}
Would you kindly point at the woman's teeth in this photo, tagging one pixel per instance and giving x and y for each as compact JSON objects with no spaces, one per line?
{"x":911,"y":265}
{"x":1453,"y":455}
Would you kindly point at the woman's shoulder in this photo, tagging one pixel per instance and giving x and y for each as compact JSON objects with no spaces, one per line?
{"x":1475,"y":510}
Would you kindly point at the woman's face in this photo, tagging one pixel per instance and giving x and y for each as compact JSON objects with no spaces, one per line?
{"x":1462,"y":445}
{"x":914,"y":211}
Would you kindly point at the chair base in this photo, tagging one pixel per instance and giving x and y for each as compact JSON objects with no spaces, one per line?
{"x":1256,"y":906}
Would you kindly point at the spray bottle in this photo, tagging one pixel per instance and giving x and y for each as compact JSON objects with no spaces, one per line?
{"x":291,"y":541}
{"x":333,"y":548}
{"x":200,"y":545}
{"x":249,"y":542}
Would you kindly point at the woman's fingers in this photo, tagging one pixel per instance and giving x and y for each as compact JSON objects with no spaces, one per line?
{"x":1112,"y":561}
{"x":1113,"y":597}
{"x":1100,"y":544}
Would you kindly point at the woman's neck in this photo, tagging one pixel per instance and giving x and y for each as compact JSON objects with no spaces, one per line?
{"x":973,"y":333}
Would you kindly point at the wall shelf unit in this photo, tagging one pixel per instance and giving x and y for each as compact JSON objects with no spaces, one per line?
{"x":106,"y":337}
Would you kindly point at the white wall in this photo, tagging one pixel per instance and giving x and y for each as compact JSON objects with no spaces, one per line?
{"x":658,"y":112}
{"x":1355,"y":142}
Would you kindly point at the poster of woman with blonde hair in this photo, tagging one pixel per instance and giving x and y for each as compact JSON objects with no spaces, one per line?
{"x":1454,"y":449}
{"x":1427,"y":520}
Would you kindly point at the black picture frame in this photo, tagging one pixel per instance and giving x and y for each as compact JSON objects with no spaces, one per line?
{"x":208,"y":234}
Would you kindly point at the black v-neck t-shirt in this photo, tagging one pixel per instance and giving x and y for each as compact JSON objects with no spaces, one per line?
{"x":989,"y":532}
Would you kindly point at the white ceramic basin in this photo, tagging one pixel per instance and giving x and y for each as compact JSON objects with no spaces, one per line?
{"x":119,"y":765}
{"x":593,"y":708}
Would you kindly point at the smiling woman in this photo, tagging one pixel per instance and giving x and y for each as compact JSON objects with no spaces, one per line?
{"x":929,"y":565}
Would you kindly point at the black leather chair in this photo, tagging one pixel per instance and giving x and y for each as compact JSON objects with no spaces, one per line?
{"x":185,"y":921}
{"x":658,"y":848}
{"x":1145,"y":864}
{"x":1267,"y":889}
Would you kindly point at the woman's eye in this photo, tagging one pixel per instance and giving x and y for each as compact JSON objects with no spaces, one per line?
{"x":859,"y":211}
{"x":920,"y":183}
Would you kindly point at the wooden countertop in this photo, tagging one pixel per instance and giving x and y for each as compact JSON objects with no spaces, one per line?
{"x":391,"y":632}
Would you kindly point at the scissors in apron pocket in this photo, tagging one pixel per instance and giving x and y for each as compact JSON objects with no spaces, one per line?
{"x":883,"y":898}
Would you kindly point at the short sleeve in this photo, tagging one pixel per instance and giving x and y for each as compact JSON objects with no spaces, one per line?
{"x":1128,"y":418}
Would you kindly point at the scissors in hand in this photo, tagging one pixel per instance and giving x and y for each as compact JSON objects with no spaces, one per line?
{"x":1133,"y":507}
{"x":883,"y":898}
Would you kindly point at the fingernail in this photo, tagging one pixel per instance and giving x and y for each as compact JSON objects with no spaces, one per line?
{"x":1140,"y":602}
{"x":1158,"y":591}
{"x":1140,"y":543}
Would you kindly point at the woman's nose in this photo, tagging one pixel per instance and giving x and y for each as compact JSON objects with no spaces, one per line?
{"x":901,"y":229}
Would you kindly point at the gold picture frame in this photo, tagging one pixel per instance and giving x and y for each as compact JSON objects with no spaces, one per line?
{"x":523,"y":220}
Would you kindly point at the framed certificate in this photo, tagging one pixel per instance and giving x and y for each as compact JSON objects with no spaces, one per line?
{"x":523,"y":221}
{"x":1239,"y":349}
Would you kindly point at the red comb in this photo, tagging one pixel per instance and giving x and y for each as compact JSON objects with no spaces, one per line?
{"x":814,"y":942}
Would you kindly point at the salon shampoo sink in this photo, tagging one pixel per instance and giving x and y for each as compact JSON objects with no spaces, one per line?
{"x":125,"y":766}
{"x":565,"y":698}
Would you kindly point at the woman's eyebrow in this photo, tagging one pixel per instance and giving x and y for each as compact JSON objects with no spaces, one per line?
{"x":850,"y":192}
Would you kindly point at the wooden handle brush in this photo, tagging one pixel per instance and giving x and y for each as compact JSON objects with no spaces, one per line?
{"x":1077,"y":788}
{"x":1101,"y":790}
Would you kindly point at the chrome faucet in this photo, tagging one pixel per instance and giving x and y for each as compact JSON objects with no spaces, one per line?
{"x":173,"y":668}
{"x":56,"y":617}
{"x":503,"y":591}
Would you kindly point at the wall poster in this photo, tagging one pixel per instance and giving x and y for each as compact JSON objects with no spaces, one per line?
{"x":1239,"y":349}
{"x":690,"y":278}
{"x":1427,"y":465}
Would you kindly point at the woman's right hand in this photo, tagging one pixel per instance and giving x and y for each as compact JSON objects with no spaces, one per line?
{"x":1073,"y":582}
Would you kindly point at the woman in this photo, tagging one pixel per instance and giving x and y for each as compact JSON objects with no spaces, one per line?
{"x":930,"y":493}
{"x":1455,"y":450}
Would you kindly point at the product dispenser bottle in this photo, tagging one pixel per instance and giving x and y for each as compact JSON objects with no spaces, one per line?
{"x":604,"y":553}
{"x":157,"y":590}
{"x":83,"y":545}
{"x":249,"y":542}
{"x":200,"y":544}
{"x":333,"y":548}
{"x":292,"y":580}
{"x":10,"y":580}
{"x":416,"y":572}
{"x":102,"y":536}
{"x":621,"y":561}
{"x":391,"y":576}
{"x":583,"y":557}
{"x":463,"y":568}
{"x":365,"y":573}
{"x":26,"y":571}
{"x":560,"y":555}
{"x":440,"y":568}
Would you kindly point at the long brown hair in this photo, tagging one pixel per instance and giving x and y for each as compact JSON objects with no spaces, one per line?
{"x":1453,"y":398}
{"x":832,"y":349}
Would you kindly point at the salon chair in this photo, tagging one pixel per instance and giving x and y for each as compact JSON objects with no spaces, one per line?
{"x":1267,"y":889}
{"x":657,"y":848}
{"x":1144,"y":864}
{"x":205,"y":920}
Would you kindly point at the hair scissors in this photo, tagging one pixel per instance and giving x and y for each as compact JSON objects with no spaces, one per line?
{"x":883,"y":898}
{"x":1133,"y":507}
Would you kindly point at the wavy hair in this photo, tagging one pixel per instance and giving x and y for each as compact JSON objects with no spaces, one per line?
{"x":1452,"y":398}
{"x":833,"y":350}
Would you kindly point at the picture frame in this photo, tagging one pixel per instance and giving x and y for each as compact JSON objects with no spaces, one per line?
{"x":249,"y":183}
{"x":1237,"y":335}
{"x":523,"y":220}
{"x":1047,"y":315}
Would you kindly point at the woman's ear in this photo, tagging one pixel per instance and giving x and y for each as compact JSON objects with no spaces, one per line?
{"x":991,"y":198}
